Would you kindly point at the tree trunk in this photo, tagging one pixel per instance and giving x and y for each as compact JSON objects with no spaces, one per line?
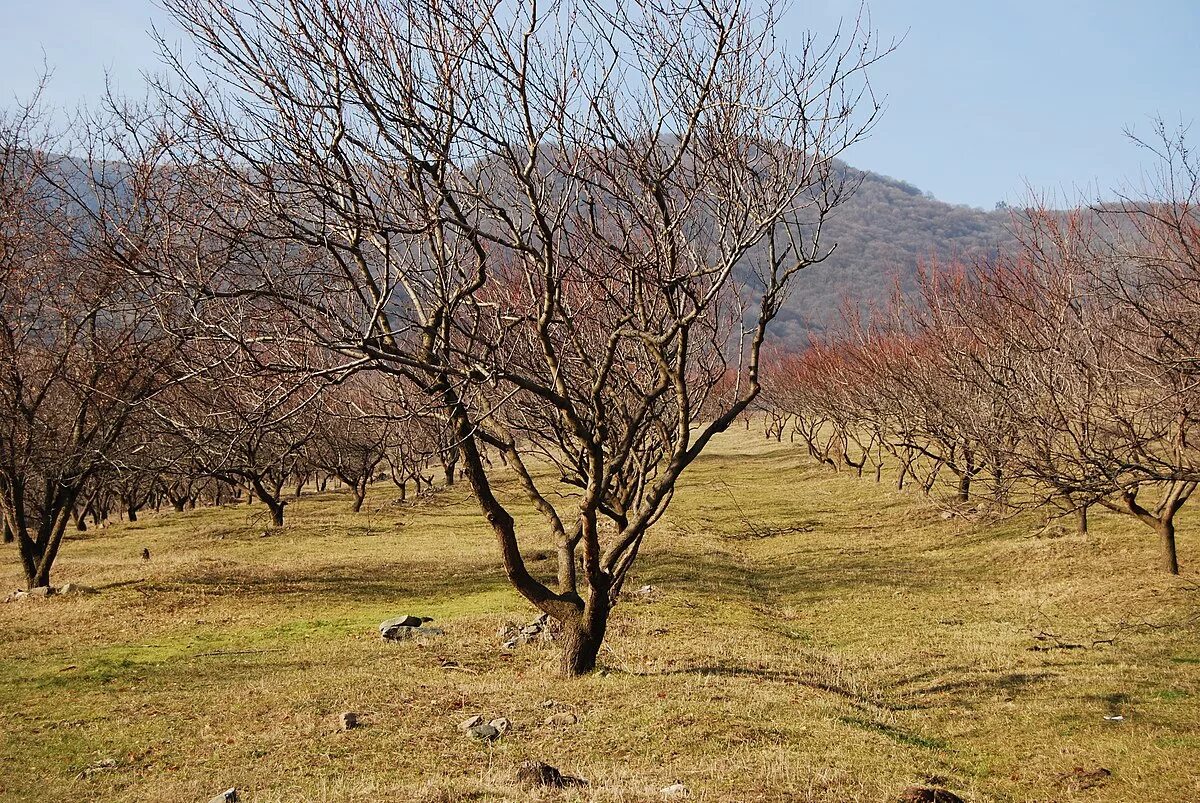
{"x":133,"y":514}
{"x":583,"y":634}
{"x":272,"y":501}
{"x":360,"y":494}
{"x":964,"y":486}
{"x":1081,"y":519}
{"x":1166,"y":545}
{"x":178,"y":504}
{"x":580,"y":648}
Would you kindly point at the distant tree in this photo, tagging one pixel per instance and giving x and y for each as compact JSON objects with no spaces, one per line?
{"x":80,"y":346}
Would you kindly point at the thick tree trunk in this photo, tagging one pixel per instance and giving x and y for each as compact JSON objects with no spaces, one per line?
{"x":360,"y":494}
{"x":580,"y":648}
{"x":1081,"y":520}
{"x":133,"y":514}
{"x":178,"y":504}
{"x":1166,"y":545}
{"x":583,"y":635}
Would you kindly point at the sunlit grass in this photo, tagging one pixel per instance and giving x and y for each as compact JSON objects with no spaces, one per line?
{"x":814,"y":637}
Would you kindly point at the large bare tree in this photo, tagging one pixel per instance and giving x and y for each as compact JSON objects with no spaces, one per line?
{"x":566,"y":223}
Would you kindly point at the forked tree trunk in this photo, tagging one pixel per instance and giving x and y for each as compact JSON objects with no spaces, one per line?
{"x":39,"y":550}
{"x":272,"y":501}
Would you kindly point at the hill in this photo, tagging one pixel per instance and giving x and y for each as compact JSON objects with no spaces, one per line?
{"x":882,"y":233}
{"x":808,"y":637}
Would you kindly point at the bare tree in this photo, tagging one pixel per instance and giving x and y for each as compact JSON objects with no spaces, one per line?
{"x":80,"y":346}
{"x":565,"y":223}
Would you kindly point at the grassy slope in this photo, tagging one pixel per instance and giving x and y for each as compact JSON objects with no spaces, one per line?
{"x":874,"y":647}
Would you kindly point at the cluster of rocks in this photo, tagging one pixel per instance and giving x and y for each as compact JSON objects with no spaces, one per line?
{"x":406,"y":627}
{"x":538,"y":630}
{"x":489,"y":731}
{"x":41,"y":592}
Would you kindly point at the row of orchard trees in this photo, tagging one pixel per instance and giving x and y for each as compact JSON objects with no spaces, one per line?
{"x":563,"y":229}
{"x":1064,"y":373}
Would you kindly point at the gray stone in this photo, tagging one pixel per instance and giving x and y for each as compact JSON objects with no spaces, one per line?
{"x":501,"y":724}
{"x":674,"y":792}
{"x":561,"y":719}
{"x":400,"y":621}
{"x":404,"y":632}
{"x":77,"y":589}
{"x":228,"y":796}
{"x":470,"y":722}
{"x":349,"y":720}
{"x":484,"y":733}
{"x":41,"y":592}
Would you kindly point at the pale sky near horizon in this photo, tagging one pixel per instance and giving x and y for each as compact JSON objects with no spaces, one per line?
{"x":985,"y":99}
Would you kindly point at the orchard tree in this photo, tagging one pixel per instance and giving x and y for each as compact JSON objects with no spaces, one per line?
{"x":566,"y":224}
{"x":81,"y":349}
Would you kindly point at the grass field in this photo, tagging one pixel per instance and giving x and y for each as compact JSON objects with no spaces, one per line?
{"x":811,"y":637}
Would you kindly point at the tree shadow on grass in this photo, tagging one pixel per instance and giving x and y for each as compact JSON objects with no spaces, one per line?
{"x":339,"y":583}
{"x":781,"y":676}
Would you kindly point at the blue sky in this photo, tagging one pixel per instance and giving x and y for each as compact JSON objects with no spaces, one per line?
{"x":984,"y":99}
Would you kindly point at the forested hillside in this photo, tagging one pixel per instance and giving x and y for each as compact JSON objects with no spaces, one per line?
{"x":884,"y":231}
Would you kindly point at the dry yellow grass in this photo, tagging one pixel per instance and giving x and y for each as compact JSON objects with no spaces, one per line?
{"x":864,"y":646}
